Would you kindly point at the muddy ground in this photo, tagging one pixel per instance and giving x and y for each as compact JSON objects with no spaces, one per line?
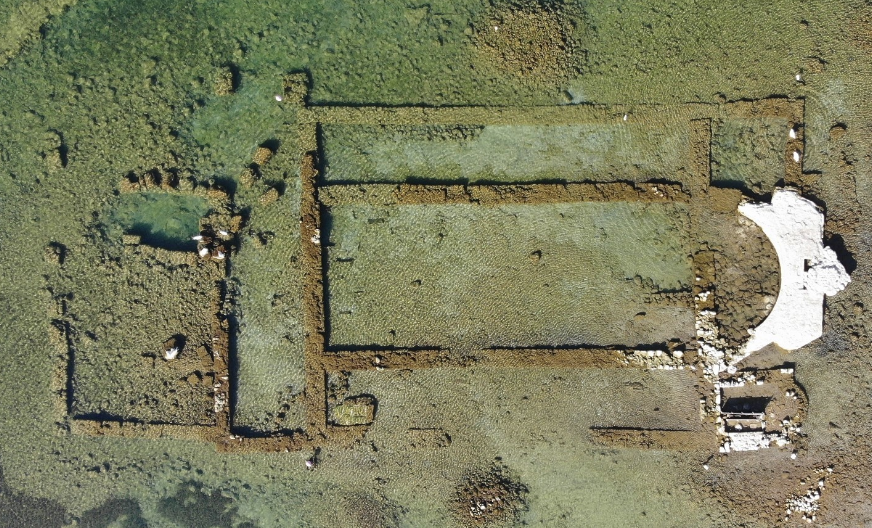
{"x":97,"y":95}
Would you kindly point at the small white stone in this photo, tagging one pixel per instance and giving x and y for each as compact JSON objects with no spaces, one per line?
{"x":798,"y":77}
{"x":197,"y":238}
{"x":219,"y":256}
{"x":203,"y":252}
{"x":279,"y":98}
{"x":625,"y":117}
{"x":792,"y":133}
{"x":792,"y":456}
{"x":171,"y":353}
{"x":796,"y":156}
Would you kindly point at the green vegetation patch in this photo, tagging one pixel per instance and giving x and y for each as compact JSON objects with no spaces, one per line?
{"x":504,"y":153}
{"x":749,"y":154}
{"x":515,"y":275}
{"x":198,"y":506}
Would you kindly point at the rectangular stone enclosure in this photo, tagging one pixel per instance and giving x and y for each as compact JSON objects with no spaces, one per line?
{"x":538,"y":275}
{"x":558,"y":237}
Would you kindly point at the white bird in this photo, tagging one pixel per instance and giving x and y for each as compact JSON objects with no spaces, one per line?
{"x":171,"y":353}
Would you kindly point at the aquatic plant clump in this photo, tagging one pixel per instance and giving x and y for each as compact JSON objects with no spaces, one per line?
{"x":530,"y":40}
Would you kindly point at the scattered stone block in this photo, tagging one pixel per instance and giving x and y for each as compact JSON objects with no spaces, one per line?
{"x":359,"y":410}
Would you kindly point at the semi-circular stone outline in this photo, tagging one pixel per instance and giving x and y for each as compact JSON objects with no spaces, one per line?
{"x":809,"y":271}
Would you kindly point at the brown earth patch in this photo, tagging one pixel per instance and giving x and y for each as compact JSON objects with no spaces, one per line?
{"x":370,"y":511}
{"x":748,"y":278}
{"x":489,"y":498}
{"x":860,"y":28}
{"x":405,"y":194}
{"x":703,"y":440}
{"x":529,"y":40}
{"x":776,"y":478}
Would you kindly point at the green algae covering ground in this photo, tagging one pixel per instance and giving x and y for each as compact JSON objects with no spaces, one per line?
{"x":267,"y":273}
{"x":94,"y":91}
{"x":749,"y":153}
{"x":509,"y":154}
{"x":470,"y":276}
{"x":168,"y":222}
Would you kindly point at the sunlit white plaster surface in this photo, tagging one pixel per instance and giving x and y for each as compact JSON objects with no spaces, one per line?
{"x":809,"y":271}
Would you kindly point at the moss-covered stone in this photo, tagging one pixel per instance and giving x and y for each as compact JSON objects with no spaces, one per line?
{"x":359,"y":410}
